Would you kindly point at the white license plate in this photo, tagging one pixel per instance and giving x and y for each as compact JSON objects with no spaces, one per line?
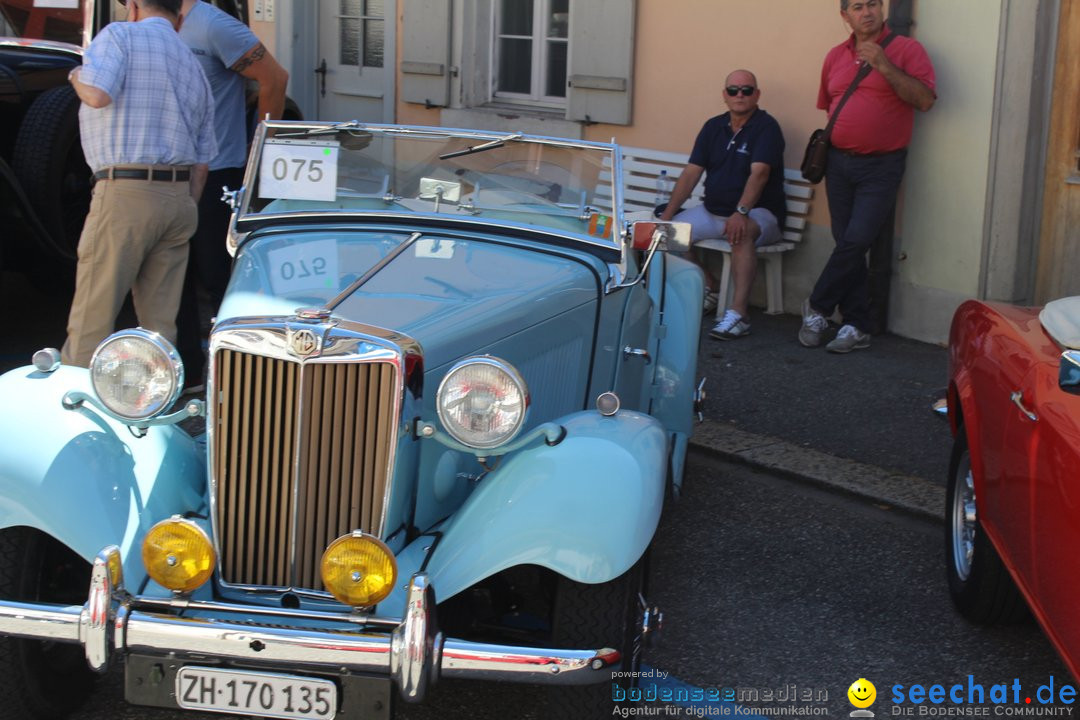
{"x":265,"y":694}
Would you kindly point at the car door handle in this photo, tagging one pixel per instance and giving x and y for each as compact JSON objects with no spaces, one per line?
{"x":1018,"y":401}
{"x":629,"y":352}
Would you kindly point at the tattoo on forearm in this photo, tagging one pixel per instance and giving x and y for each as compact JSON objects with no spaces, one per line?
{"x":248,"y":60}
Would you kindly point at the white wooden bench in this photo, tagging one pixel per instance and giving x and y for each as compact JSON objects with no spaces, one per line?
{"x":641,"y":167}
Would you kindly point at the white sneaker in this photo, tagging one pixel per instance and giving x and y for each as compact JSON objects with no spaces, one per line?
{"x":710,"y":301}
{"x":849,"y":338}
{"x":813,"y":325}
{"x":732,"y":326}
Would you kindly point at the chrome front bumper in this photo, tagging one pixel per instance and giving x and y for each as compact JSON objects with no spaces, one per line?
{"x":412,"y":653}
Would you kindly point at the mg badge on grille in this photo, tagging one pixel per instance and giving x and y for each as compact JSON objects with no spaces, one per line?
{"x":303,"y":343}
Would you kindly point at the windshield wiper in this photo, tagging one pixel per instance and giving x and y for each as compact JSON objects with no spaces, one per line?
{"x":356,"y":136}
{"x":374,"y":270}
{"x":335,"y":128}
{"x":481,"y":147}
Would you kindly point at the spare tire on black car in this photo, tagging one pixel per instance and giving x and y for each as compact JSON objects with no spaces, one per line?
{"x":48,"y":160}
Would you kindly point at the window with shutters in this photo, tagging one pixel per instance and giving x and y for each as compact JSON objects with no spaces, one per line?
{"x":532,"y":41}
{"x":572,"y":59}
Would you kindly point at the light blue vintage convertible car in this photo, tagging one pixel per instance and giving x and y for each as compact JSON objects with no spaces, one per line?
{"x":450,"y":387}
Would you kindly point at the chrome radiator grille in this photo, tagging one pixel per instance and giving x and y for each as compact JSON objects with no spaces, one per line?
{"x":300,"y":456}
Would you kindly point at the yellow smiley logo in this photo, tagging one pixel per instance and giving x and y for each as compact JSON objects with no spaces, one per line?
{"x":862,"y":693}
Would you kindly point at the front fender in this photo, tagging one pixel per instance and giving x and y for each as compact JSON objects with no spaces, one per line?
{"x":586,"y":508}
{"x":84,"y":478}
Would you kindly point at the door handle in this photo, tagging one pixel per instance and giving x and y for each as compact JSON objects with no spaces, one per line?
{"x":321,"y":71}
{"x":1018,"y":401}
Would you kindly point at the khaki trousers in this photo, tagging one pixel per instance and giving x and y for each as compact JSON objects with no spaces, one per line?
{"x":135,"y":238}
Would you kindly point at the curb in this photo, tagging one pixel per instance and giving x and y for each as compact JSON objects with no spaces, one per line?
{"x":905,"y":492}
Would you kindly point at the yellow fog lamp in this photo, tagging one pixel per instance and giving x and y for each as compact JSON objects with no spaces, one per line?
{"x":178,"y":554}
{"x":359,"y":570}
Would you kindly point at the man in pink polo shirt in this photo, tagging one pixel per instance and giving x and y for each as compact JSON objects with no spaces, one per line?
{"x":866,"y":162}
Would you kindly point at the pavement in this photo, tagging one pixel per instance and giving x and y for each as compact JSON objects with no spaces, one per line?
{"x":861,"y":423}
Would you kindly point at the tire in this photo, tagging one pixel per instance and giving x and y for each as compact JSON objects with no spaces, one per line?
{"x":979,"y":583}
{"x":48,"y":160}
{"x":589,"y":616}
{"x":292,"y":110}
{"x":251,"y":121}
{"x":41,"y":680}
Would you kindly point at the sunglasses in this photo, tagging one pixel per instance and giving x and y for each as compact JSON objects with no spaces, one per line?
{"x":746,"y":90}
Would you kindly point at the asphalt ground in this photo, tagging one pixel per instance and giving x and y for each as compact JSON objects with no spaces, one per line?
{"x":862,"y":422}
{"x":768,"y":582}
{"x":872,"y":405}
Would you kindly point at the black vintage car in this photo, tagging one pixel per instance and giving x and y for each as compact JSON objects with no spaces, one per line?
{"x":44,"y":179}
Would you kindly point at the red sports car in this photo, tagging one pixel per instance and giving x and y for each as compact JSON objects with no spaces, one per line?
{"x":1013,"y":497}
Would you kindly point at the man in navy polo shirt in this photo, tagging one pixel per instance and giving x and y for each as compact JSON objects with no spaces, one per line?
{"x":742,"y":155}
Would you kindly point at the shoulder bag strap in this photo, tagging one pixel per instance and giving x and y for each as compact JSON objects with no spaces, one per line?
{"x":863,"y":72}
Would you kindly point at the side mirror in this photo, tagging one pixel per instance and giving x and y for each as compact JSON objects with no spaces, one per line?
{"x":1069,"y":372}
{"x":674,"y":237}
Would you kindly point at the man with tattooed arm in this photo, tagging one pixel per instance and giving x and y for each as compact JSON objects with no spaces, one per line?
{"x":229,"y":53}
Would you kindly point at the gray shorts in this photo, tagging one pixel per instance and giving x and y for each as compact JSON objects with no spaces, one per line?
{"x":705,"y":225}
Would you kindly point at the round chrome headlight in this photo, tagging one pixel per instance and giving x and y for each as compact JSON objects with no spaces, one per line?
{"x":136,"y":374}
{"x":482,"y":402}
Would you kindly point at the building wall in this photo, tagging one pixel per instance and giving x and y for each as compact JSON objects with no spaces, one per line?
{"x":684,"y":50}
{"x":1059,"y":249}
{"x":941,"y":227}
{"x":1018,"y":149}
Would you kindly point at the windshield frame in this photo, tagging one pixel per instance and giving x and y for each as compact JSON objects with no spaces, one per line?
{"x":611,"y":248}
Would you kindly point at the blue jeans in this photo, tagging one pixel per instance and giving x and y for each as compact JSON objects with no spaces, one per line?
{"x":862,"y":192}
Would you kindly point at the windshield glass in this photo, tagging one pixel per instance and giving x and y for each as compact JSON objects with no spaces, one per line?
{"x":59,"y":20}
{"x":312,"y":268}
{"x":562,"y":186}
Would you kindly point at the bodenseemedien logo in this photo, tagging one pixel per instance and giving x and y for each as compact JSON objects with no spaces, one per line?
{"x":862,"y":694}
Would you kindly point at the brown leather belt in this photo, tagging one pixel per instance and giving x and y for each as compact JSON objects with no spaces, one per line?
{"x":142,"y":174}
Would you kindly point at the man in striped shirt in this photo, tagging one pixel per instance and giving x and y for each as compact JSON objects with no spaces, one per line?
{"x":147,"y":125}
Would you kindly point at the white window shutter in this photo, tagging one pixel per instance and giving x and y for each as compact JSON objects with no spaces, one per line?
{"x":425,"y":57}
{"x":601,"y":61}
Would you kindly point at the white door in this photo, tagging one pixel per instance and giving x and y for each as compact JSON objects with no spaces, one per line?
{"x":354,"y":61}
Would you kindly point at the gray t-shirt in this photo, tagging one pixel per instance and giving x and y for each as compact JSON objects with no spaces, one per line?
{"x":218,"y":41}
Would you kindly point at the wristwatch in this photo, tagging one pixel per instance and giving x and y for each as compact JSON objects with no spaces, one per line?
{"x":742,"y":210}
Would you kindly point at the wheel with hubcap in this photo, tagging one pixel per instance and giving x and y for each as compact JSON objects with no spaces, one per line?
{"x":980,"y":585}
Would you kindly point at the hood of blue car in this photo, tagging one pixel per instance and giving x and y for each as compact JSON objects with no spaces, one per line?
{"x":455,"y":298}
{"x":457,"y":306}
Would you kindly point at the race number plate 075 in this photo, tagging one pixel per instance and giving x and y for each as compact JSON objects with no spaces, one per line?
{"x":263,"y":694}
{"x":299,"y":170}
